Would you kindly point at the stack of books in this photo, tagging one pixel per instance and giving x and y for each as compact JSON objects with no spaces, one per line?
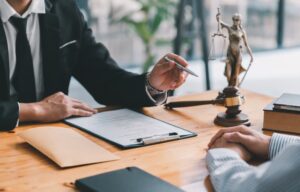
{"x":283,"y":115}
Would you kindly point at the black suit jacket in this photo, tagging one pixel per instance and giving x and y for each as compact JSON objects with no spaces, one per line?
{"x":89,"y":62}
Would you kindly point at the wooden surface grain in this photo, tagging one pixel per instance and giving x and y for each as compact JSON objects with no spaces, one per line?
{"x":182,"y":163}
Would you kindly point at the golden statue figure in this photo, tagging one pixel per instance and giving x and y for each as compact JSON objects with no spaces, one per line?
{"x":237,"y":36}
{"x":230,"y":97}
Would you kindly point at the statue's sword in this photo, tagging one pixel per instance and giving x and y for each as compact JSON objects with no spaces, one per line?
{"x":245,"y":74}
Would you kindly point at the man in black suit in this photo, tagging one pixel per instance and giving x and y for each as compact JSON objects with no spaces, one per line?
{"x":45,"y":42}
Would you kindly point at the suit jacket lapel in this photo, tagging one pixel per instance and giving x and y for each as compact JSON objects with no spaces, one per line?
{"x":4,"y":64}
{"x":50,"y":39}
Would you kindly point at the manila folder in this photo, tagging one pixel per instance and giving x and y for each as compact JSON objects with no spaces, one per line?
{"x":66,"y":147}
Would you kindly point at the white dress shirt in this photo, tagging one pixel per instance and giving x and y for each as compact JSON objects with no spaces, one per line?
{"x":229,"y":173}
{"x":33,"y":34}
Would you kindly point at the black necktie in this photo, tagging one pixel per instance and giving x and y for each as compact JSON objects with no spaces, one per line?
{"x":23,"y":78}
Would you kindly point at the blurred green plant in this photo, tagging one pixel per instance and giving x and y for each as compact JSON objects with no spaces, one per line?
{"x":145,"y":22}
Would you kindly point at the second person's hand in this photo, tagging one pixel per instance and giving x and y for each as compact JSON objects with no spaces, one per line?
{"x":255,"y":142}
{"x":236,"y":147}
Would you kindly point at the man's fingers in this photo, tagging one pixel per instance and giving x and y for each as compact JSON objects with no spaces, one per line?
{"x":215,"y":137}
{"x":178,"y":58}
{"x":216,"y":144}
{"x":181,"y":76}
{"x":237,"y":137}
{"x":165,"y":67}
{"x":82,"y":106}
{"x":81,"y":113}
{"x":175,"y":79}
{"x":219,"y":134}
{"x":75,"y":100}
{"x":181,"y":80}
{"x":79,"y":105}
{"x":228,"y":130}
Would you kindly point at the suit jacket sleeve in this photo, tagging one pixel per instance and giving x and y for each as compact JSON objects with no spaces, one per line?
{"x":101,"y":76}
{"x":9,"y":114}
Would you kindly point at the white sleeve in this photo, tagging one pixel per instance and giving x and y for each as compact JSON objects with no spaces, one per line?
{"x":229,"y":173}
{"x":157,"y":99}
{"x":279,"y":142}
{"x":18,"y":121}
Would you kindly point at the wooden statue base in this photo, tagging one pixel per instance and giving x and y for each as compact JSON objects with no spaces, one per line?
{"x":240,"y":119}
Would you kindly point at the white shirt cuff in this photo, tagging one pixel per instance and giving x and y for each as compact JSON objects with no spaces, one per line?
{"x":157,"y":99}
{"x":217,"y":157}
{"x":18,"y":121}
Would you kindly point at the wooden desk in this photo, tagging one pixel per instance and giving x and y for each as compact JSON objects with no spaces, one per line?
{"x":182,"y":163}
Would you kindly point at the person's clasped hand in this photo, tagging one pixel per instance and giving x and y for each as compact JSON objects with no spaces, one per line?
{"x":249,"y":140}
{"x":166,"y":76}
{"x":221,"y":142}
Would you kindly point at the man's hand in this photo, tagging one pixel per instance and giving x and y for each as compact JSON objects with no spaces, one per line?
{"x":238,"y":148}
{"x":255,"y":142}
{"x":54,"y":108}
{"x":166,"y":76}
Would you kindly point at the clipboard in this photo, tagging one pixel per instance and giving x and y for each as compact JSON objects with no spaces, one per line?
{"x":126,"y":128}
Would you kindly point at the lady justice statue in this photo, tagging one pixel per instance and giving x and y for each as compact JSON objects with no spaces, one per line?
{"x":237,"y":36}
{"x":230,"y":97}
{"x":233,"y":68}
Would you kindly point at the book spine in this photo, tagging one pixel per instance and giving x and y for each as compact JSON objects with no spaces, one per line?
{"x":282,"y":122}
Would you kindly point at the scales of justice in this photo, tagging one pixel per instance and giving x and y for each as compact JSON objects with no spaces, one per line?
{"x":230,"y":97}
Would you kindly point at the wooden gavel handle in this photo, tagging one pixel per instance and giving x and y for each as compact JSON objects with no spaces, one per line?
{"x":179,"y":104}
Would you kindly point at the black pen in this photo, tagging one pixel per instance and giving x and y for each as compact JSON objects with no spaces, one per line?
{"x":181,"y":67}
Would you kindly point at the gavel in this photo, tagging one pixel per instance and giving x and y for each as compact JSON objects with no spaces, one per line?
{"x":226,"y":102}
{"x":229,"y":98}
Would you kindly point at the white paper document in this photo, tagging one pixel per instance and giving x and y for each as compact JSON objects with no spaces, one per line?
{"x":127,"y":128}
